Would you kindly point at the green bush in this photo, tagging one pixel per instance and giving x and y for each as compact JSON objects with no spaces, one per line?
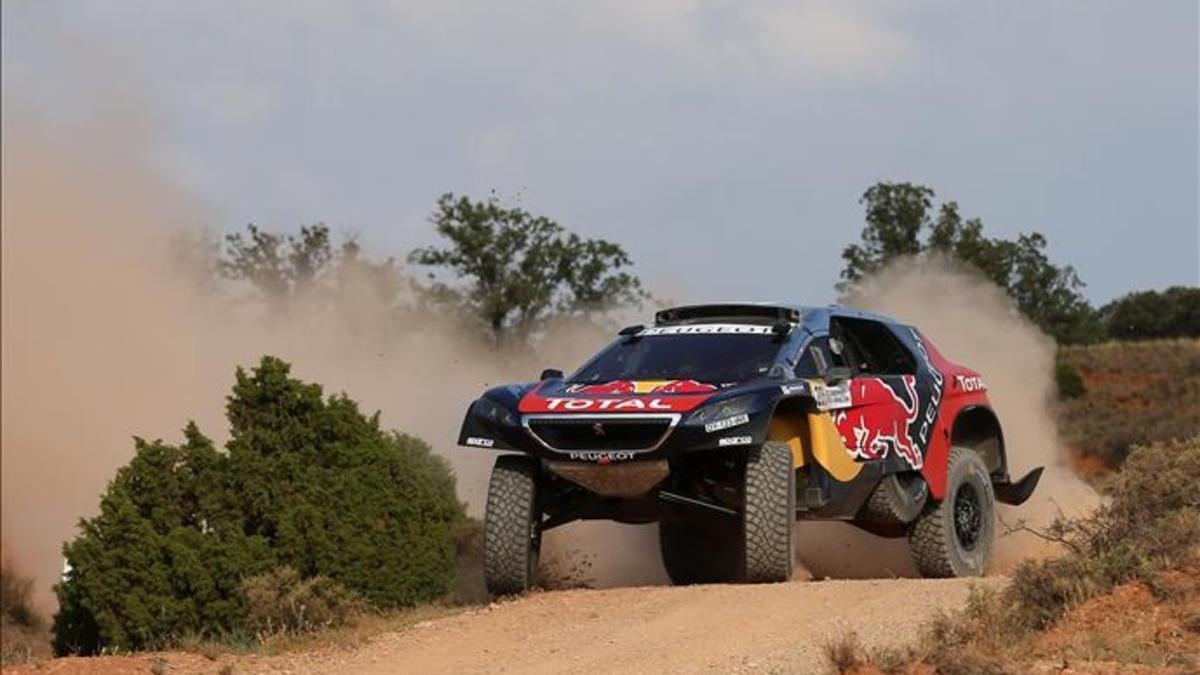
{"x":280,"y":602}
{"x":1070,"y":382}
{"x":306,"y":482}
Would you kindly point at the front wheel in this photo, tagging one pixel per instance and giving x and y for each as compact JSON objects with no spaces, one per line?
{"x":769,"y":513}
{"x":512,"y":533}
{"x":953,"y":538}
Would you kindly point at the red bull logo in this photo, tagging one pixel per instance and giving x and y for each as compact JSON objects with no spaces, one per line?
{"x":630,"y":387}
{"x":881,"y":420}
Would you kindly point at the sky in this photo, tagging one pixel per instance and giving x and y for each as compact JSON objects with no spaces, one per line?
{"x":724,"y":144}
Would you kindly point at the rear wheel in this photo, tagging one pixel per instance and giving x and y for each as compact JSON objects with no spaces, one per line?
{"x":769,"y":513}
{"x":897,"y":500}
{"x":700,"y":549}
{"x":512,"y":534}
{"x":953,"y":538}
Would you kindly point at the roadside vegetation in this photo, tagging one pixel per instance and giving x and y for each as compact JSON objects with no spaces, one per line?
{"x":1125,"y":593}
{"x":24,"y":631}
{"x":1127,"y":394}
{"x":311,"y":515}
{"x":314,"y":524}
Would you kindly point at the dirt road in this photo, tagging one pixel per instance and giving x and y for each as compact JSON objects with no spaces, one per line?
{"x":731,"y":628}
{"x":639,"y":626}
{"x":776,"y":628}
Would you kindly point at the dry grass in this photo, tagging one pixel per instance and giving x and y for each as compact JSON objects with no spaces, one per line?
{"x":1126,"y":593}
{"x":282,"y":603}
{"x":357,"y":630}
{"x":24,"y":632}
{"x":1136,"y":393}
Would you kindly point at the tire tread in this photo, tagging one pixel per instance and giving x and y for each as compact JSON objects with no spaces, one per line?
{"x":769,"y":513}
{"x":507,"y":568}
{"x":931,"y":536}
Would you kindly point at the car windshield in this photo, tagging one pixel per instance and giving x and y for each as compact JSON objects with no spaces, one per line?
{"x":709,"y":358}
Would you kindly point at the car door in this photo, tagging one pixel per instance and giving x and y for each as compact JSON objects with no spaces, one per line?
{"x":877,"y":419}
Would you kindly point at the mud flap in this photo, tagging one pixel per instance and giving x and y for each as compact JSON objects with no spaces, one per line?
{"x":1015,"y":493}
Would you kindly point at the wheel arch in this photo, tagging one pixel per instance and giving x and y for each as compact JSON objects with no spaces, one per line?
{"x":978,"y":428}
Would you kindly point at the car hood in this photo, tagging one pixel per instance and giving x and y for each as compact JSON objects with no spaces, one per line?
{"x":622,"y":396}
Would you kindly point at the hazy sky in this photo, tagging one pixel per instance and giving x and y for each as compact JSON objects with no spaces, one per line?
{"x":725,"y":144}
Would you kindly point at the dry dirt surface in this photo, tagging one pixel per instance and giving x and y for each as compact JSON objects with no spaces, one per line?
{"x":724,"y":628}
{"x":772,"y":628}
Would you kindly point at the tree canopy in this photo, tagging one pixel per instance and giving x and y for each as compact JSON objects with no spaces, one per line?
{"x":1171,"y":313}
{"x":278,"y":265}
{"x":901,"y":221}
{"x":518,"y":269}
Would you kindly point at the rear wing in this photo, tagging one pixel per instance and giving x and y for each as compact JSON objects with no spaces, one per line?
{"x":727,"y":313}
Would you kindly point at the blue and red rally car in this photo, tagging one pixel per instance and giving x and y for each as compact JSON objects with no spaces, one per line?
{"x":725,"y":423}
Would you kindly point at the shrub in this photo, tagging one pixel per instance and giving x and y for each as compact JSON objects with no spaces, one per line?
{"x":16,"y":608}
{"x":1149,"y":526}
{"x":280,"y":602}
{"x":468,"y":546}
{"x":1070,"y":382}
{"x":336,"y":496}
{"x":1152,"y":522}
{"x":306,"y":483}
{"x":1136,"y":393}
{"x":22,"y":627}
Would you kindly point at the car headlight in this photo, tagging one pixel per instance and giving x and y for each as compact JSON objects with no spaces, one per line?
{"x":724,"y":414}
{"x":494,"y":412}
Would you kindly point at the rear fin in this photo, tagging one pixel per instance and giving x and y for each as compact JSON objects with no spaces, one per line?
{"x":1015,"y":493}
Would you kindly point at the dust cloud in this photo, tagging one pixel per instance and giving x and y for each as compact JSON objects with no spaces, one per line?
{"x":113,"y":328}
{"x":973,"y":322}
{"x":110,"y":332}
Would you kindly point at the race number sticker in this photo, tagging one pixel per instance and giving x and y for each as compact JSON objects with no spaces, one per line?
{"x":831,"y":398}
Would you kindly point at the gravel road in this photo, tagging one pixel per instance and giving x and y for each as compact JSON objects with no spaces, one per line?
{"x":775,"y":628}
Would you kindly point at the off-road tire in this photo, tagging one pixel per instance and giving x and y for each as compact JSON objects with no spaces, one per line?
{"x":769,"y":513}
{"x":701,"y":549}
{"x":511,"y":526}
{"x":898,"y":500}
{"x":940,"y":539}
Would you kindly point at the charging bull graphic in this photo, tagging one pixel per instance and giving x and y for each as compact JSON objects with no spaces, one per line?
{"x":630,"y":387}
{"x":880,"y":420}
{"x":893,"y":416}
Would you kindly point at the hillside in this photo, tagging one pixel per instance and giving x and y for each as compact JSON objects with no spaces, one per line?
{"x":1135,"y":393}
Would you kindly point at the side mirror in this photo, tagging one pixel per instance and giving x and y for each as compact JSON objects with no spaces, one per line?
{"x":631,"y":330}
{"x":836,"y":374}
{"x":551,"y":374}
{"x":781,"y":329}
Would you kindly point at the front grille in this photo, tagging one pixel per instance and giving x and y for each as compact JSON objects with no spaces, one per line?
{"x":595,"y":432}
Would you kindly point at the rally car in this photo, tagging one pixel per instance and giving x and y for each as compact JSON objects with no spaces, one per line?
{"x":725,"y":423}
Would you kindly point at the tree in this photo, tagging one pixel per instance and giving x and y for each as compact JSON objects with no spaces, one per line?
{"x":1174,"y":312}
{"x":521,"y":269}
{"x":897,"y":214}
{"x":305,"y":482}
{"x":278,"y":265}
{"x":900,"y":223}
